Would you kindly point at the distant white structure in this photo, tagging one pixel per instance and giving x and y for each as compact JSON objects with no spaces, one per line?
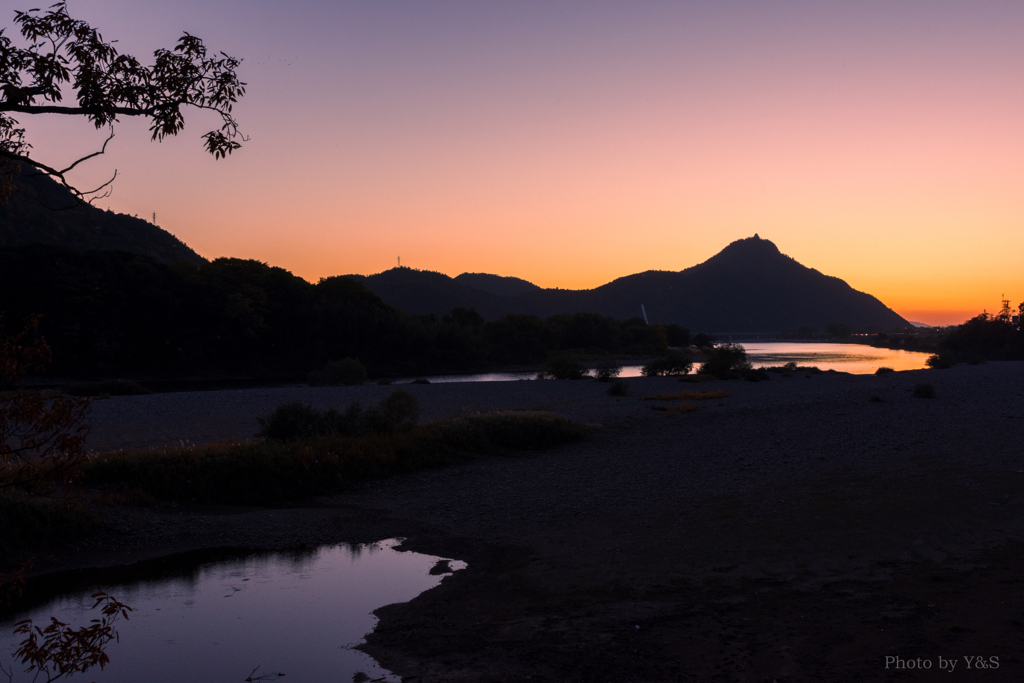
{"x":644,"y":311}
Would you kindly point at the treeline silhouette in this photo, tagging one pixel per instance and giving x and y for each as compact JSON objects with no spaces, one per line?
{"x":984,"y":337}
{"x":116,"y":314}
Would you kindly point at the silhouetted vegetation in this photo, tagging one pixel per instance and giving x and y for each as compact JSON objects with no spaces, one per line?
{"x":673,"y":363}
{"x":943,"y":360}
{"x":607,"y":370}
{"x":115,"y":314}
{"x":396,"y":413}
{"x":618,"y":387}
{"x":273,"y":470}
{"x":563,"y":366}
{"x":726,"y":361}
{"x":983,"y":337}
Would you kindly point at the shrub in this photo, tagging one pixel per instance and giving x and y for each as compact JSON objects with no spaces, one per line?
{"x":883,"y":370}
{"x":618,"y":387}
{"x":400,"y":410}
{"x":347,"y":371}
{"x":607,"y":370}
{"x":42,"y":439}
{"x":923,"y":391}
{"x":290,"y":421}
{"x":561,"y":366}
{"x":703,"y":341}
{"x":726,"y":360}
{"x":271,"y":471}
{"x":942,"y":360}
{"x":674,"y":363}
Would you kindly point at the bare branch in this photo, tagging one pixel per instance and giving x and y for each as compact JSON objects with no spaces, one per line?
{"x":64,"y":54}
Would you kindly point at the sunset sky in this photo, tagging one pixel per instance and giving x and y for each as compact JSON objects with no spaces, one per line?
{"x":570,"y":143}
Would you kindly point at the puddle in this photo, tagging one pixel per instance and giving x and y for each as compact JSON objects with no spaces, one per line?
{"x":296,"y":613}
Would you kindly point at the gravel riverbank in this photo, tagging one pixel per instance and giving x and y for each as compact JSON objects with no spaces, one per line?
{"x":802,"y":528}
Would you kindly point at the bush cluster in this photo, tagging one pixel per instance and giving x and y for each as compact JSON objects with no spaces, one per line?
{"x":607,"y":370}
{"x":563,"y":366}
{"x":273,"y":470}
{"x":942,"y":360}
{"x":397,"y":412}
{"x":673,"y":363}
{"x":726,"y":361}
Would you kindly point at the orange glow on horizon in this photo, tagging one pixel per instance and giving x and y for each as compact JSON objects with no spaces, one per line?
{"x":877,"y":143}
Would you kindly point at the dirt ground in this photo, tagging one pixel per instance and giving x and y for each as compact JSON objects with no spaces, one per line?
{"x":812,"y":528}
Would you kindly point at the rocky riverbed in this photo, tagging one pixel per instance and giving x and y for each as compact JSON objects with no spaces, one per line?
{"x":803,"y":528}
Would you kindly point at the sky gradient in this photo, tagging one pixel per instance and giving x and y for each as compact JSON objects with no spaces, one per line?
{"x":570,"y":143}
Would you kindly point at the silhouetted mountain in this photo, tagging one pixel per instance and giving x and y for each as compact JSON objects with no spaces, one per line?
{"x":747,"y":287}
{"x":41,"y":211}
{"x":496,"y":284}
{"x":424,"y":292}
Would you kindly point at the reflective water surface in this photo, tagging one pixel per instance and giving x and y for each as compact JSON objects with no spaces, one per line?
{"x":857,"y":359}
{"x":295,"y":613}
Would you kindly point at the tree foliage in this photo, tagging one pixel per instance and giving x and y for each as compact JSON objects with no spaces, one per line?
{"x":57,"y":650}
{"x":41,"y":440}
{"x":114,"y":314}
{"x":63,"y":53}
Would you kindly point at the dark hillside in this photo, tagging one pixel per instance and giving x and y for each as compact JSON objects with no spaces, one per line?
{"x":497,"y":284}
{"x":43,"y":212}
{"x":424,"y":292}
{"x":750,"y":286}
{"x":111,"y":313}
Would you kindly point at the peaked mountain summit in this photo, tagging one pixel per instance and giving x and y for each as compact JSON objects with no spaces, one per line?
{"x":41,"y":211}
{"x":749,"y":286}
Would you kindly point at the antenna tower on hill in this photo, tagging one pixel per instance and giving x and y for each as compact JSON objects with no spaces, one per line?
{"x":1004,"y":312}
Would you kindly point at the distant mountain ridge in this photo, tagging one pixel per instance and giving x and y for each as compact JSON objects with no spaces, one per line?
{"x":497,"y":284}
{"x":750,"y":286}
{"x":43,"y":212}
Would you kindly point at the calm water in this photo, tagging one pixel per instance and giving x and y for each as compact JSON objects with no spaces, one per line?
{"x":857,"y":359}
{"x":294,"y":613}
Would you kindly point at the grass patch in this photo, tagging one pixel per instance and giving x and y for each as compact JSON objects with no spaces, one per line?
{"x":397,"y":412}
{"x":689,"y":396}
{"x":270,"y":471}
{"x":683,"y":407}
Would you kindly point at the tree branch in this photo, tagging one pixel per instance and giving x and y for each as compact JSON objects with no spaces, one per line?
{"x":59,"y":175}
